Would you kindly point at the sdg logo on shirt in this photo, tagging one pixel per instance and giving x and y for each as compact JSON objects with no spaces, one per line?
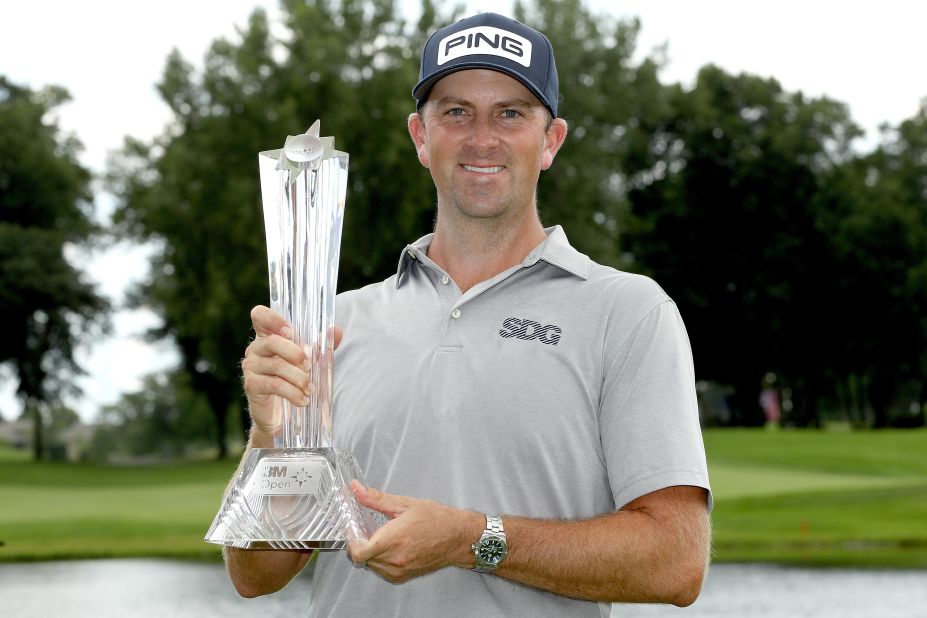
{"x":530,"y":330}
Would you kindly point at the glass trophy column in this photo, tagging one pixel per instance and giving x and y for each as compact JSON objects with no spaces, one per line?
{"x":297,"y":495}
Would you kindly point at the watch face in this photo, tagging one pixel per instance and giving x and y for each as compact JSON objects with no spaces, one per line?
{"x":492,"y":550}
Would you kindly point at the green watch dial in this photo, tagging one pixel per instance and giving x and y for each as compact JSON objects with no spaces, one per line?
{"x":492,"y":550}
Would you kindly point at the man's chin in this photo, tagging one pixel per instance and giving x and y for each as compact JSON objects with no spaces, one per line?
{"x":482,"y":209}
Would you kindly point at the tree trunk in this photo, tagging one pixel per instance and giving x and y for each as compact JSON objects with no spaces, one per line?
{"x":805,"y":410}
{"x":745,"y":404}
{"x":38,"y":431}
{"x":922,"y":401}
{"x":219,"y":404}
{"x":881,"y":393}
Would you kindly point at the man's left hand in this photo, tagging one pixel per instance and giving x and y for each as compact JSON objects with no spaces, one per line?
{"x":422,"y":536}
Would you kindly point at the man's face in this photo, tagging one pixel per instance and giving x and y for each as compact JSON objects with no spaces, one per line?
{"x":485,"y":138}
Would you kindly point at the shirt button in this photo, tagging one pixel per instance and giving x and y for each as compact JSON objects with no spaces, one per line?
{"x":455,"y":313}
{"x":445,"y":279}
{"x":412,"y":254}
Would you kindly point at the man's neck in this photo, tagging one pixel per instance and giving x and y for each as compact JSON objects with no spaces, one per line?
{"x":477,"y":250}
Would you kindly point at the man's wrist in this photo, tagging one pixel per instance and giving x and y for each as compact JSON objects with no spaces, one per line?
{"x":472,"y":525}
{"x":260,"y":438}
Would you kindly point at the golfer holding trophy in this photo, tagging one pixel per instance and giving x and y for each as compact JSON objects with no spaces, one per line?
{"x":527,"y":418}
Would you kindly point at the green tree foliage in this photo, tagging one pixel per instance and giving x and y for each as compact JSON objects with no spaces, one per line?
{"x":725,"y":218}
{"x":787,"y":252}
{"x":195,"y":190}
{"x":165,"y":418}
{"x":44,"y":207}
{"x":878,"y":224}
{"x":609,"y":103}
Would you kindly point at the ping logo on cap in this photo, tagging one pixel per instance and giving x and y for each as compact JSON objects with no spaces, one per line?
{"x":485,"y":40}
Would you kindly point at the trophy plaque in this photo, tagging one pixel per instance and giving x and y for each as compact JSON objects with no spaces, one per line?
{"x":297,"y":495}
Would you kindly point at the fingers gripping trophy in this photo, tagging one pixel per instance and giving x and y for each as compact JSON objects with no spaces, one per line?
{"x":297,"y":495}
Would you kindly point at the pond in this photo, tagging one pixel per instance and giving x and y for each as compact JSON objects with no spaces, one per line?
{"x":156,"y":588}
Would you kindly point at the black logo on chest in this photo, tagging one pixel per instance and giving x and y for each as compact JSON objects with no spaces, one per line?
{"x":529,"y":330}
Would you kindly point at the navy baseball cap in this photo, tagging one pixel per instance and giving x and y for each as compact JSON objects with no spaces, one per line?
{"x":491,"y":41}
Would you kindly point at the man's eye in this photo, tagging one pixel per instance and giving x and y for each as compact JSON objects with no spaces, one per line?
{"x":510,"y":114}
{"x":455,"y":111}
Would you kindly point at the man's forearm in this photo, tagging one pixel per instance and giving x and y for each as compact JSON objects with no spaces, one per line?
{"x":639,"y":554}
{"x":256,"y":572}
{"x":654,"y":550}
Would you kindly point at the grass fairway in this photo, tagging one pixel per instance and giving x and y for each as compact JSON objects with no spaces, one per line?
{"x":804,"y":497}
{"x":820,"y":498}
{"x":55,"y":510}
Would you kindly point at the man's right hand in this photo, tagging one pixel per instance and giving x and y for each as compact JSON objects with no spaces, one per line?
{"x":274,"y":365}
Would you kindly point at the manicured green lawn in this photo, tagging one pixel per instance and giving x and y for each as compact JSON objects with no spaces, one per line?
{"x":56,"y":510}
{"x":818,"y":498}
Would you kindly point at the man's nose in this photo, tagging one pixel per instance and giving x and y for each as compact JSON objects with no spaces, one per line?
{"x":484,"y":133}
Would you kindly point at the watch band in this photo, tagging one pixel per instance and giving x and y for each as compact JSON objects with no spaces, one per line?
{"x":494,"y":525}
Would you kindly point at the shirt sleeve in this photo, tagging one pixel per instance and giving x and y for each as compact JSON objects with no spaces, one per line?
{"x":648,"y":415}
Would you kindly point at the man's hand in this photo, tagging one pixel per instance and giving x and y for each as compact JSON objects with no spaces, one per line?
{"x":422,"y":536}
{"x":274,"y":365}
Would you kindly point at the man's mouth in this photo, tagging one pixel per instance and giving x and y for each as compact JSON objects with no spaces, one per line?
{"x":495,"y":169}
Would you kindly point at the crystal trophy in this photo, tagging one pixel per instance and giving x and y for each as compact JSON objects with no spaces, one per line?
{"x":297,"y":495}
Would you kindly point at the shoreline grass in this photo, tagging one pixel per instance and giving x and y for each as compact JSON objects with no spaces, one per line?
{"x":822,"y":499}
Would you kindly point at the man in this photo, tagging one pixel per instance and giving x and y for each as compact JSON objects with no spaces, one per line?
{"x":530,"y":413}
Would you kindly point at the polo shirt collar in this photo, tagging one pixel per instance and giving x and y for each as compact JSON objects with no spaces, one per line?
{"x":555,"y":250}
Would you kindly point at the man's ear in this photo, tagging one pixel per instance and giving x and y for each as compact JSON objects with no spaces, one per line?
{"x":417,"y":133}
{"x":556,"y":133}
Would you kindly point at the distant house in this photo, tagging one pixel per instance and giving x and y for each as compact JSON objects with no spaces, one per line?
{"x":17,"y":434}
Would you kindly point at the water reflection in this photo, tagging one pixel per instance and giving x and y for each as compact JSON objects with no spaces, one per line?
{"x":765,"y":591}
{"x":155,"y":588}
{"x":135,"y":589}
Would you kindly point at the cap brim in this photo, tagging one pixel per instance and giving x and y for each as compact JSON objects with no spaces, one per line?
{"x":423,"y":88}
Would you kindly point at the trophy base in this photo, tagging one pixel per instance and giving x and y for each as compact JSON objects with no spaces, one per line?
{"x":293,"y":498}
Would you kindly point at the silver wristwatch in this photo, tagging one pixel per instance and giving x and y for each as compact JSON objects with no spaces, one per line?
{"x":491,"y":549}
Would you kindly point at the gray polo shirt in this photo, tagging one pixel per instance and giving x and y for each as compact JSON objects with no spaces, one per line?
{"x":560,"y":388}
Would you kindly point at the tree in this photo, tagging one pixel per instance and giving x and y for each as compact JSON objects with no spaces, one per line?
{"x":879,"y":231}
{"x":610,"y":104}
{"x":164,"y":418}
{"x":195,"y":189}
{"x":729,"y":213}
{"x":45,"y":206}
